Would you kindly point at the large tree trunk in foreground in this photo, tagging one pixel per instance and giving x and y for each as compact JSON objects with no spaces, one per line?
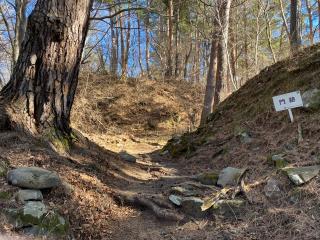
{"x":40,"y":93}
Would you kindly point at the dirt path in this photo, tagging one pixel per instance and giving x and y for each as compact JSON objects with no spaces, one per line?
{"x":161,"y":173}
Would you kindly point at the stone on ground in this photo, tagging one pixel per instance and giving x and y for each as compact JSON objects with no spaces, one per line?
{"x":229,"y":208}
{"x":311,"y":99}
{"x":230,"y":176}
{"x":29,"y":195}
{"x":32,"y":213}
{"x":176,"y":200}
{"x":208,"y":178}
{"x":33,"y":178}
{"x":127,"y":157}
{"x":279,"y":161}
{"x":272,"y":189}
{"x":183,"y":191}
{"x":55,"y":224}
{"x":301,"y":175}
{"x":192,"y":206}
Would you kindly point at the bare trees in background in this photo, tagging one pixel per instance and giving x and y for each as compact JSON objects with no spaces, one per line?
{"x":218,"y":43}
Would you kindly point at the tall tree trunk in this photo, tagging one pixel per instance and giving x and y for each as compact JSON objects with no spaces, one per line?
{"x":40,"y":93}
{"x":177,"y":43}
{"x":196,"y":59}
{"x":20,"y":26}
{"x":246,"y":43}
{"x":295,"y":37}
{"x":114,"y":46}
{"x":122,"y":47}
{"x":309,"y":9}
{"x":147,"y":51}
{"x":127,"y":48}
{"x":186,"y":62}
{"x":101,"y":61}
{"x":222,"y":62}
{"x":269,"y":31}
{"x":211,"y":77}
{"x":169,"y":70}
{"x":319,"y":18}
{"x":139,"y":46}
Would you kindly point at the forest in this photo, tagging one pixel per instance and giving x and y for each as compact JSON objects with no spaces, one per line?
{"x":116,"y":115}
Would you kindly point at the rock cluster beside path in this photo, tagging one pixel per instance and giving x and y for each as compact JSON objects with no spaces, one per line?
{"x":34,"y":217}
{"x":214,"y":194}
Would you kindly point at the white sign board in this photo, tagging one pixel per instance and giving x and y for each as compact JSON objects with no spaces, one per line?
{"x":287,"y":102}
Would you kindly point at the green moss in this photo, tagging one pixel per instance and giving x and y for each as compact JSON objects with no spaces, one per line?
{"x":5,"y":196}
{"x":59,"y":140}
{"x":277,"y":160}
{"x":55,"y":224}
{"x":4,"y":166}
{"x":184,"y":145}
{"x":209,"y":178}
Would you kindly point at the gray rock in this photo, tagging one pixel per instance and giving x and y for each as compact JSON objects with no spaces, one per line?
{"x":208,"y":178}
{"x":33,"y":178}
{"x":37,"y":221}
{"x":311,"y":99}
{"x":230,"y":176}
{"x":189,"y":205}
{"x":272,"y":189}
{"x":278,"y":160}
{"x":182,"y":191}
{"x":176,"y":200}
{"x":127,"y":157}
{"x":192,"y":207}
{"x":33,"y":213}
{"x":29,"y":195}
{"x":30,"y":214}
{"x":229,"y":208}
{"x":301,"y":175}
{"x":54,"y":224}
{"x":245,"y":137}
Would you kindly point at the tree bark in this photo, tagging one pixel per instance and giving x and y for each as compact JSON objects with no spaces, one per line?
{"x":222,"y":61}
{"x":20,"y":27}
{"x":139,"y":46}
{"x":114,"y":51}
{"x":309,"y":9}
{"x":295,"y":38}
{"x":169,"y":66}
{"x":147,"y":24}
{"x":319,"y":18}
{"x":39,"y":96}
{"x":210,"y":87}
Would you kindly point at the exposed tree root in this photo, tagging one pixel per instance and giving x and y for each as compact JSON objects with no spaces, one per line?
{"x":155,"y":203}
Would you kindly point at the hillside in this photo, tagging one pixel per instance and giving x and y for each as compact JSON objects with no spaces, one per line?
{"x":114,"y":113}
{"x":245,"y":132}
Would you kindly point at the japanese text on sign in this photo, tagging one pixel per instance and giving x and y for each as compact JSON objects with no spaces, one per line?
{"x":287,"y":101}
